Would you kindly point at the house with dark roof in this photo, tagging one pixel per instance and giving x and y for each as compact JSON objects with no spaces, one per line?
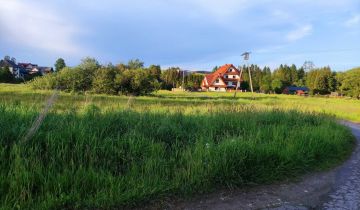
{"x":293,"y":90}
{"x":17,"y":70}
{"x":28,"y":66}
{"x":223,"y":79}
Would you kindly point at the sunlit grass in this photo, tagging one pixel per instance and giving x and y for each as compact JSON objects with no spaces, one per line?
{"x":97,"y":151}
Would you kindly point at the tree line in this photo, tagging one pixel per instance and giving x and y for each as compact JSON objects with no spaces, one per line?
{"x":319,"y":80}
{"x":132,"y":78}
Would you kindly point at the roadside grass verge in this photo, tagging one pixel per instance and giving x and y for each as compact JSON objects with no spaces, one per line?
{"x":103,"y":158}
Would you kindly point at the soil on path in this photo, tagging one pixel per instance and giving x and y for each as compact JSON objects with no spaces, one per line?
{"x":335,"y":189}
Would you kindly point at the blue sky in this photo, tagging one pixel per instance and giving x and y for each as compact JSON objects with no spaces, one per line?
{"x":191,"y":34}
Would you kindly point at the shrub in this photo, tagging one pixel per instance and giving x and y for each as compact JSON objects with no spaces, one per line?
{"x":89,"y":76}
{"x":103,"y":81}
{"x":5,"y":75}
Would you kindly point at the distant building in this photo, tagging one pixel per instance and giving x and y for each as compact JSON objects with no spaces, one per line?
{"x":46,"y":70}
{"x":28,"y":66}
{"x":41,"y":70}
{"x":15,"y":69}
{"x":34,"y":68}
{"x":292,"y":90}
{"x":223,"y":79}
{"x":19,"y":70}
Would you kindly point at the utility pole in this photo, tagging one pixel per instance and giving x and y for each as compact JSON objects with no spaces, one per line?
{"x":183,"y":81}
{"x":251,"y":85}
{"x":246,"y":58}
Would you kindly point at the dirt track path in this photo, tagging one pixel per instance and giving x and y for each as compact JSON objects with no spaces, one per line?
{"x":335,"y":189}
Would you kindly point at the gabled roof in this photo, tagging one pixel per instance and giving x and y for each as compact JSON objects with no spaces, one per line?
{"x":219,"y":73}
{"x":210,"y":78}
{"x":27,"y":64}
{"x":223,"y":69}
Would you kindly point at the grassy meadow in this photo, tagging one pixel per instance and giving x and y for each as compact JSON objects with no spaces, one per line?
{"x":97,"y":151}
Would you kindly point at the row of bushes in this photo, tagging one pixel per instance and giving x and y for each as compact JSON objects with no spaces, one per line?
{"x":90,"y":76}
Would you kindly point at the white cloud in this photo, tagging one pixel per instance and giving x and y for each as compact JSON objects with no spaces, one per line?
{"x":299,"y":33}
{"x":37,"y":27}
{"x":353,"y":21}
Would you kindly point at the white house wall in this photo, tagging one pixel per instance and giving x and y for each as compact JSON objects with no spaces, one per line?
{"x":219,"y":83}
{"x":231,"y":76}
{"x":218,"y":90}
{"x":206,"y":82}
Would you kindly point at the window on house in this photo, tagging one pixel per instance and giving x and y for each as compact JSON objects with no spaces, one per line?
{"x":234,"y":76}
{"x":226,"y":76}
{"x":217,"y":80}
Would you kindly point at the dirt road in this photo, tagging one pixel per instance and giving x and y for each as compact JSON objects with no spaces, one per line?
{"x":335,"y":189}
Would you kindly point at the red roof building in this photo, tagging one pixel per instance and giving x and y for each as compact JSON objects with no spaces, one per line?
{"x":223,"y":79}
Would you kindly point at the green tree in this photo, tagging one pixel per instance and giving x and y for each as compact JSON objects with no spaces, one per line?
{"x":265,"y":84}
{"x":103,"y":81}
{"x":349,"y":82}
{"x":284,"y":74}
{"x":5,"y":75}
{"x":256,"y":75}
{"x":171,"y":78}
{"x":135,"y":64}
{"x":85,"y":73}
{"x":121,"y":67}
{"x":135,"y":82}
{"x":193,"y":81}
{"x":301,"y":77}
{"x":320,"y":81}
{"x":89,"y":75}
{"x":59,"y":64}
{"x":294,"y":77}
{"x":122,"y":81}
{"x":142,"y":83}
{"x":155,"y":72}
{"x":215,"y":69}
{"x":277,"y":85}
{"x":89,"y":64}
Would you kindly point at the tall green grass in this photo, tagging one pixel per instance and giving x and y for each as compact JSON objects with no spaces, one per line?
{"x":123,"y":156}
{"x":187,"y":102}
